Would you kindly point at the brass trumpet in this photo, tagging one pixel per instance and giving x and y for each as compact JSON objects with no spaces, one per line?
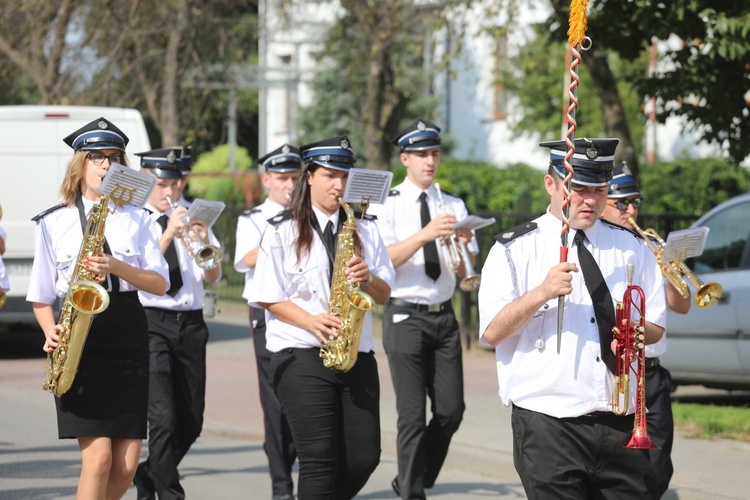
{"x":458,"y":254}
{"x":205,"y":255}
{"x":706,"y":294}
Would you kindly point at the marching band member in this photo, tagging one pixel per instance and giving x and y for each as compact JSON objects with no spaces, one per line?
{"x":177,"y":337}
{"x":420,"y":331}
{"x":567,"y":442}
{"x":281,"y":170}
{"x":105,"y":409}
{"x":623,"y":202}
{"x":334,"y":416}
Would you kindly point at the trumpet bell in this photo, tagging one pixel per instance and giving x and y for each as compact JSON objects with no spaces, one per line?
{"x":470,"y":283}
{"x":708,"y":294}
{"x":208,"y":257}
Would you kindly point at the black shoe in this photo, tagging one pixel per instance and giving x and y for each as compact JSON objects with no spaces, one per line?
{"x":144,"y":484}
{"x":394,"y":485}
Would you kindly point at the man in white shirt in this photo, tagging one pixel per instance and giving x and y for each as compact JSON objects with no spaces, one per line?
{"x":281,"y":170}
{"x":567,"y":441}
{"x":420,"y":331}
{"x":623,"y":203}
{"x":177,"y":337}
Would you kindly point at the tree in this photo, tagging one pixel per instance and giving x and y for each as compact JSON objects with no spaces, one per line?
{"x":380,"y":63}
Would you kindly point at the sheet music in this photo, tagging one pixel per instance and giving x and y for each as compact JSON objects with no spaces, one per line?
{"x":205,"y":210}
{"x":135,"y":187}
{"x":364,"y":184}
{"x":685,"y":243}
{"x":474,"y":222}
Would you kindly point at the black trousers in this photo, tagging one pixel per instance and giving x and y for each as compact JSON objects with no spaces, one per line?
{"x":424,"y":353}
{"x":660,"y":424}
{"x":177,"y":389}
{"x":334,"y":418}
{"x":578,"y":458}
{"x":279,"y":446}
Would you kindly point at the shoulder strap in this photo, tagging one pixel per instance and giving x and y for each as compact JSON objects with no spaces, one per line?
{"x":514,"y":233}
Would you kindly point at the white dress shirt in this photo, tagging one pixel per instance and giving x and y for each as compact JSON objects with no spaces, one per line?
{"x":191,"y":295}
{"x":280,"y":277}
{"x":131,"y":235}
{"x":250,"y":228}
{"x":576,"y":381}
{"x":398,"y":219}
{"x":4,"y":283}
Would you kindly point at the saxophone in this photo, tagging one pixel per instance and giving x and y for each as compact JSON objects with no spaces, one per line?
{"x":84,"y":300}
{"x":347,"y":302}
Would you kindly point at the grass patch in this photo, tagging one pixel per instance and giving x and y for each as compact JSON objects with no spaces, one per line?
{"x":703,"y":421}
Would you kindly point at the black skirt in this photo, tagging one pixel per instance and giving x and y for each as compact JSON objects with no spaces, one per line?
{"x":109,"y":396}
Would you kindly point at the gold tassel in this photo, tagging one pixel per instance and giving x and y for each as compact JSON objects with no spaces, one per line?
{"x":577,"y":23}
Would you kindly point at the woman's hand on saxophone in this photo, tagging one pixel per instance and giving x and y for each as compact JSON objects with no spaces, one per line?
{"x":51,"y":338}
{"x":325,"y":327}
{"x":357,"y":270}
{"x":102,"y":265}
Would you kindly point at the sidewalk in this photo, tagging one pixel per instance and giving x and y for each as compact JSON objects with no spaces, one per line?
{"x":483,"y":443}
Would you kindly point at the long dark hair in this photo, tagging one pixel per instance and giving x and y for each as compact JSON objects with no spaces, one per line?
{"x":303,"y":215}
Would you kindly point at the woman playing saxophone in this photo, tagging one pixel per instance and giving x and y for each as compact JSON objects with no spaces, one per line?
{"x":105,"y":408}
{"x":338,"y":441}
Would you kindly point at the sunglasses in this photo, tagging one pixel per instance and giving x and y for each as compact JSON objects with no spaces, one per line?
{"x":623,"y":203}
{"x":99,"y":158}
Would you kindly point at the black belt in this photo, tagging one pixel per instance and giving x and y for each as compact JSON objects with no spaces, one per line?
{"x":652,"y":362}
{"x":433,"y":308}
{"x":194,"y":315}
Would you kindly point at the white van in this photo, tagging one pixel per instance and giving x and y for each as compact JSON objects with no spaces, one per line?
{"x":33,"y":158}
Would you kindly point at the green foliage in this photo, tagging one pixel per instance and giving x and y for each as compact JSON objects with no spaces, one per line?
{"x":712,"y":422}
{"x":210,"y":178}
{"x":691,"y":187}
{"x":485,"y":187}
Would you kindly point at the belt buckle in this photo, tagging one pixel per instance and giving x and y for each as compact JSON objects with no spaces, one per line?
{"x":434,"y":308}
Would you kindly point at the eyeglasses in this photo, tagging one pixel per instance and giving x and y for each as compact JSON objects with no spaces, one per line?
{"x":99,"y":158}
{"x":623,"y":203}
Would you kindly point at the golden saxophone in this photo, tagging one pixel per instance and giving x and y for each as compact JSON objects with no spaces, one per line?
{"x":347,"y":302}
{"x":630,"y":336}
{"x":84,"y":300}
{"x":706,"y":294}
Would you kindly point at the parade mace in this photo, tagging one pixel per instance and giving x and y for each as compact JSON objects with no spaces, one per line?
{"x":578,"y":41}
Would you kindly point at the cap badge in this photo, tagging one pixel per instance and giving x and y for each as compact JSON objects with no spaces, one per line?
{"x":344,"y":143}
{"x":102,"y":124}
{"x":421,"y":126}
{"x":626,"y":169}
{"x":591,"y":152}
{"x":171,"y":156}
{"x":325,"y":158}
{"x":285,"y":149}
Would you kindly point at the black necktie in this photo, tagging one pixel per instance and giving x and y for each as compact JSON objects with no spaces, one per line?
{"x":175,"y":278}
{"x":431,"y":259}
{"x":601,"y":299}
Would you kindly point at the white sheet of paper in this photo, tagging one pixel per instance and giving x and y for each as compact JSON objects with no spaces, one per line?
{"x":205,"y":210}
{"x":133,"y":186}
{"x":372,"y":185}
{"x":685,"y":243}
{"x":474,"y":222}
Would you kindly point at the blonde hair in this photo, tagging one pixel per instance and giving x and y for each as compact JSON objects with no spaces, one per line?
{"x":74,"y":174}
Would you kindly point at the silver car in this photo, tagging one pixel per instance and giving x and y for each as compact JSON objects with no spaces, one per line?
{"x":711,"y":346}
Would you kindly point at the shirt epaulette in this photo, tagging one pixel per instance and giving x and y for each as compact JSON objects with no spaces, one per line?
{"x":44,"y":214}
{"x":514,"y":233}
{"x":249,"y":211}
{"x":280,"y":217}
{"x":617,"y":226}
{"x":394,"y":192}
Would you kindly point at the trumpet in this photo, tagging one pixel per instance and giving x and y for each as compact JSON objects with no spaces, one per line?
{"x":706,"y":294}
{"x":205,"y":255}
{"x":457,"y":252}
{"x":630,"y":336}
